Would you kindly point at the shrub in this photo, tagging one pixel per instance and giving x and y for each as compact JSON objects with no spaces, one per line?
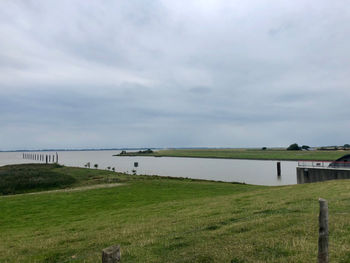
{"x":16,"y":179}
{"x":294,"y":147}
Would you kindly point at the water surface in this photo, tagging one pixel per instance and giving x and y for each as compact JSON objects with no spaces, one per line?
{"x":259,"y":172}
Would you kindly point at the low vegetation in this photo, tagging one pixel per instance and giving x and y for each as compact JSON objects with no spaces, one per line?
{"x":257,"y":154}
{"x":23,"y":178}
{"x":158,"y":219}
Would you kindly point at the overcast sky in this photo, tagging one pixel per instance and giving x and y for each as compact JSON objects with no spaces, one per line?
{"x":242,"y":73}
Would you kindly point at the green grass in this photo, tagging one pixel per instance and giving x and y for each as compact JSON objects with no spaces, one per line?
{"x":23,"y":178}
{"x":257,"y":154}
{"x":175,"y":220}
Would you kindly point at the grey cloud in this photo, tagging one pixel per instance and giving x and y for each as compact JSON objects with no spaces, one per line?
{"x":173,"y":73}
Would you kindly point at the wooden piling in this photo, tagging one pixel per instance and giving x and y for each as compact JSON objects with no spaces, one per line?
{"x":111,"y":254}
{"x":278,"y":168}
{"x":323,"y":232}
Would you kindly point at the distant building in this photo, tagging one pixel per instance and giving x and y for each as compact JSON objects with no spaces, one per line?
{"x":341,"y":162}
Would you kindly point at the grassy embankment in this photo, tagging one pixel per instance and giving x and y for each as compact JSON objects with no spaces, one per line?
{"x":257,"y":154}
{"x":174,"y":220}
{"x":15,"y":179}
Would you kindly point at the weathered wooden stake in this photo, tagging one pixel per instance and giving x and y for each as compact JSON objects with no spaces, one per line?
{"x":111,"y":254}
{"x":278,"y":168}
{"x":46,"y":159}
{"x":56,"y":157}
{"x":323,"y":232}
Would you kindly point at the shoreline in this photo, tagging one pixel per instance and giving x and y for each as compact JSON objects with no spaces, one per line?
{"x":213,"y":157}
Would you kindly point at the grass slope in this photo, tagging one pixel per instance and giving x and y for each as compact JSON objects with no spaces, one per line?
{"x":172,"y":220}
{"x":23,"y":178}
{"x":276,"y":154}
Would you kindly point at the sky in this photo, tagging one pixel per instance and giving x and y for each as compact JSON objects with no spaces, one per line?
{"x":163,"y":73}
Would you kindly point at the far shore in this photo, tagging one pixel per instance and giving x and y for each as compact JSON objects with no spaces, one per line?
{"x":244,"y":154}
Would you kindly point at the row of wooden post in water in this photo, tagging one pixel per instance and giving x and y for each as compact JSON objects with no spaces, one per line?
{"x":46,"y":158}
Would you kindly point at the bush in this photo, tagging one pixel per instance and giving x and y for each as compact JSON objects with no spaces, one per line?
{"x":293,"y":147}
{"x":16,"y":179}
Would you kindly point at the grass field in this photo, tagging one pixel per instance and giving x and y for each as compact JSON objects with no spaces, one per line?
{"x":275,"y":154}
{"x":15,"y":179}
{"x":174,"y":220}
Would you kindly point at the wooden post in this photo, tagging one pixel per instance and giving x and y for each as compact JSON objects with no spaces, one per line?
{"x":46,"y":159}
{"x":278,"y":168}
{"x":323,"y":232}
{"x":56,"y":157}
{"x":111,"y":254}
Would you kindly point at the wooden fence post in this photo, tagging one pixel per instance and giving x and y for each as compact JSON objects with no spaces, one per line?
{"x":111,"y":254}
{"x":323,"y":232}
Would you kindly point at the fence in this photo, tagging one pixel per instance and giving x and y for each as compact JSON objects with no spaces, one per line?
{"x":324,"y":164}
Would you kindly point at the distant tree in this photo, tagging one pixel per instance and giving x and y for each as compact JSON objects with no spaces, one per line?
{"x":263,"y":148}
{"x":113,"y":169}
{"x":293,"y":147}
{"x":305,"y":147}
{"x":146,"y":151}
{"x":96,"y":165}
{"x":346,"y":145}
{"x":109,"y":168}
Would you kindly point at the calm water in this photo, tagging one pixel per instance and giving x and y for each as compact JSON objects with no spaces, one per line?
{"x":245,"y":171}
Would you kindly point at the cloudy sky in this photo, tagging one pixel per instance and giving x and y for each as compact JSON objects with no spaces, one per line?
{"x":163,"y":73}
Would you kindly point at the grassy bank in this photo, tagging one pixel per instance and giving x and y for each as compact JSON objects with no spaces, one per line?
{"x":23,"y":178}
{"x":173,"y":220}
{"x":276,"y":154}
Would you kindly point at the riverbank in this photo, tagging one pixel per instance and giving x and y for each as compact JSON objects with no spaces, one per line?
{"x":249,"y":154}
{"x":157,"y":219}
